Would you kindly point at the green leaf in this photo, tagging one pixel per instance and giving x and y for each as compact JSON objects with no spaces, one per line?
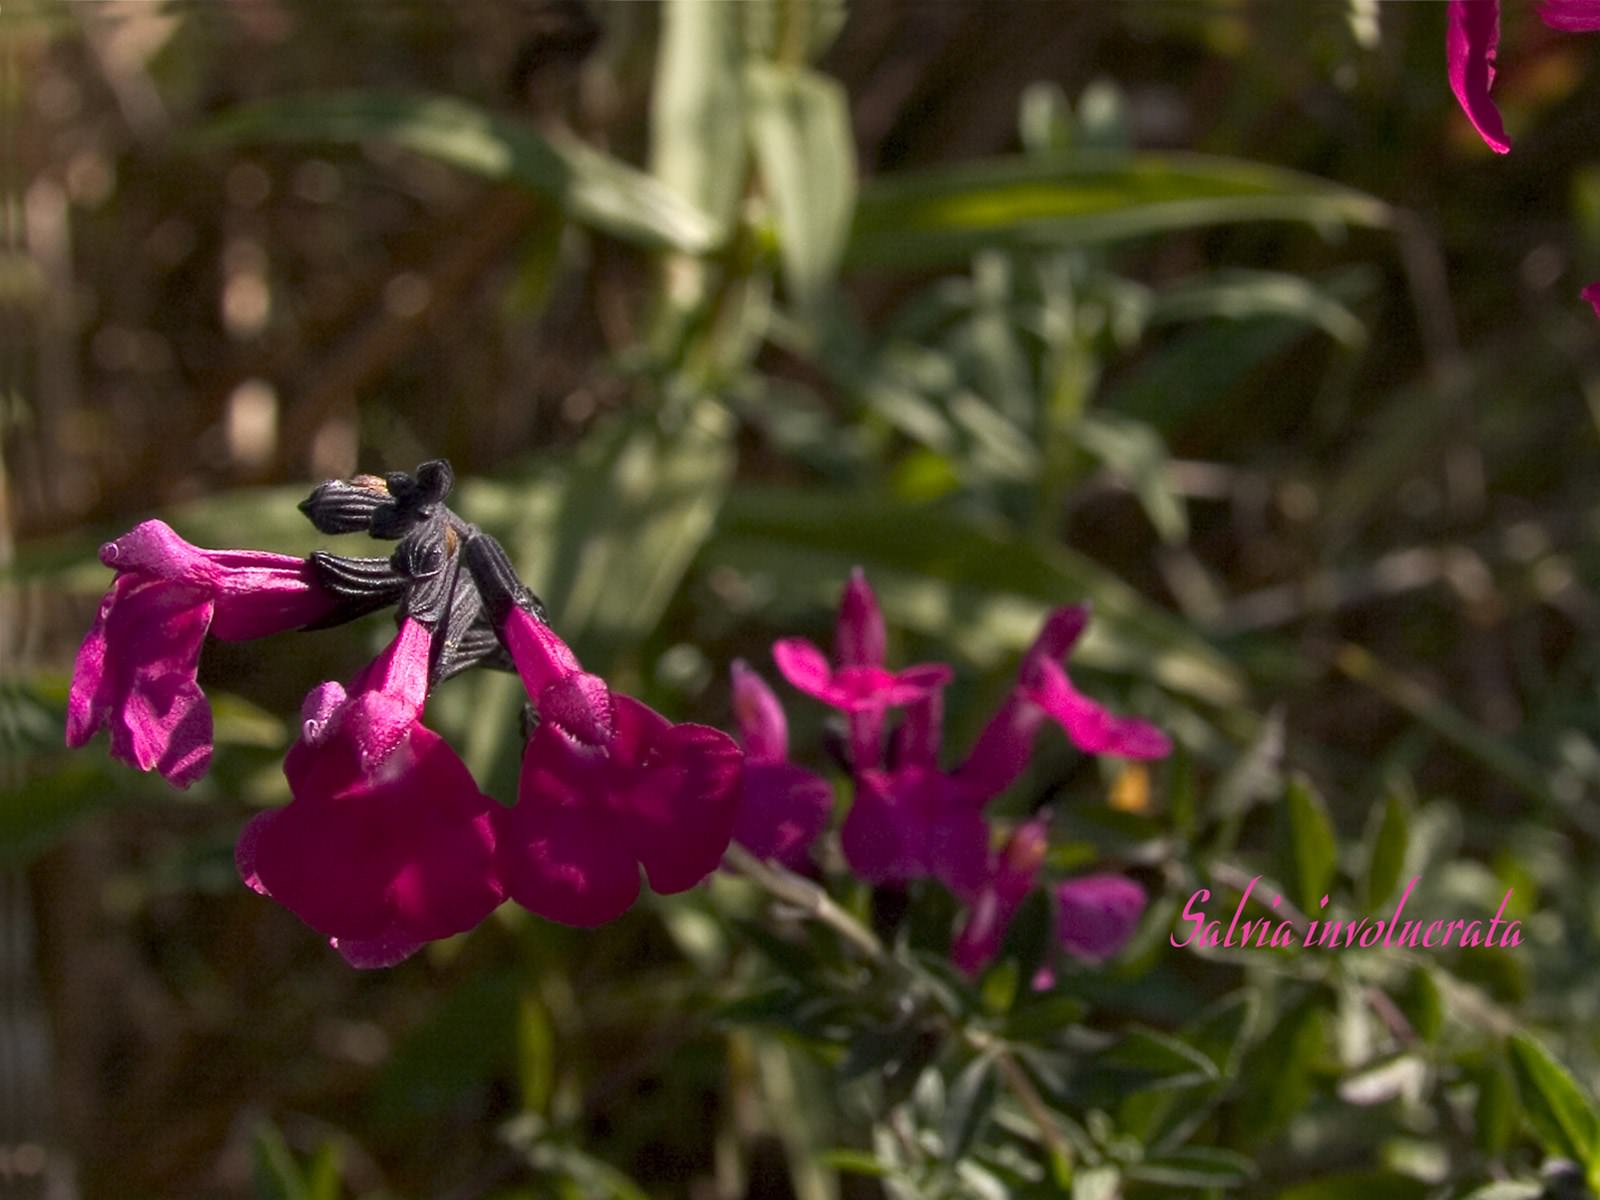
{"x":1171,"y":1061}
{"x":941,"y":216}
{"x":1310,"y":851}
{"x":1241,"y":295}
{"x":697,"y":145}
{"x":1135,"y":452}
{"x":1389,"y":833}
{"x":1562,"y":1116}
{"x":1507,"y":1189}
{"x":799,"y":124}
{"x":1278,"y":1072}
{"x":591,"y":187}
{"x":1195,"y":1167}
{"x":967,"y":1107}
{"x":277,"y":1175}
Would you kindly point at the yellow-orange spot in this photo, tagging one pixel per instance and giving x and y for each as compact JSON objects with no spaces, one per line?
{"x":1131,"y":791}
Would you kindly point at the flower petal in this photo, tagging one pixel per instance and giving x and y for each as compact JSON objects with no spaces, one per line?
{"x":1470,"y":41}
{"x":559,"y":856}
{"x":1592,"y":295}
{"x":146,"y":690}
{"x":859,"y":637}
{"x":782,"y":810}
{"x":374,"y":954}
{"x":1003,"y":749}
{"x":541,"y":657}
{"x":763,"y":727}
{"x":1097,"y":914}
{"x":805,"y":667}
{"x":679,"y":796}
{"x":1571,"y":16}
{"x":1092,"y":728}
{"x":880,"y":841}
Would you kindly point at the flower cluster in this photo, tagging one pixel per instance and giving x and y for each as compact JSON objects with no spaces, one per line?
{"x":1471,"y":40}
{"x":388,"y":843}
{"x":912,"y":819}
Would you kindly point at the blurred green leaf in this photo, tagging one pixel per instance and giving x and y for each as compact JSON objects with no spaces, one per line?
{"x":593,"y":188}
{"x":1241,"y":295}
{"x":799,"y":123}
{"x":1388,"y":836}
{"x":697,"y":145}
{"x":967,"y":1107}
{"x":1562,"y":1116}
{"x":941,"y":216}
{"x":1310,"y":851}
{"x":1134,"y":452}
{"x":1194,"y":1167}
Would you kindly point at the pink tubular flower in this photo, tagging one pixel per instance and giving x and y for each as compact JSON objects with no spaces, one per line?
{"x":1097,"y":914}
{"x":608,"y":785}
{"x":1011,"y":879}
{"x":1045,"y":692}
{"x":856,"y":681}
{"x":135,"y":672}
{"x":916,"y":821}
{"x":783,"y":807}
{"x":388,"y":843}
{"x":1471,"y":40}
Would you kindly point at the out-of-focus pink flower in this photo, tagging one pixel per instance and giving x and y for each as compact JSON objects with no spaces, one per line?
{"x":387,"y":843}
{"x":1011,"y":878}
{"x":1097,"y":914}
{"x":783,"y":807}
{"x":608,"y":785}
{"x":1571,"y":16}
{"x":856,"y":682}
{"x":1045,"y":692}
{"x":135,"y":672}
{"x":1472,"y":38}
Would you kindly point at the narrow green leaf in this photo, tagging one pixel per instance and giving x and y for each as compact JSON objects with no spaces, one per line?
{"x":967,"y":1107}
{"x":1310,"y":852}
{"x":277,"y":1175}
{"x":1388,"y":836}
{"x":592,"y":187}
{"x":1195,"y":1167}
{"x":941,"y":216}
{"x":697,"y":145}
{"x":1240,"y":295}
{"x":799,"y":122}
{"x":1562,"y":1116}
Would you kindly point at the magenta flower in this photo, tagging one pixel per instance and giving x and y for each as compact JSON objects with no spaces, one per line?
{"x":387,"y":843}
{"x":1011,"y":878}
{"x":608,"y":785}
{"x":1044,"y":692}
{"x":1097,"y":914}
{"x":856,"y":682}
{"x":1471,"y":40}
{"x":135,"y":672}
{"x":916,"y":821}
{"x":783,"y":807}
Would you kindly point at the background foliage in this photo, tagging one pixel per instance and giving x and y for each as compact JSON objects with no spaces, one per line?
{"x":1216,"y":314}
